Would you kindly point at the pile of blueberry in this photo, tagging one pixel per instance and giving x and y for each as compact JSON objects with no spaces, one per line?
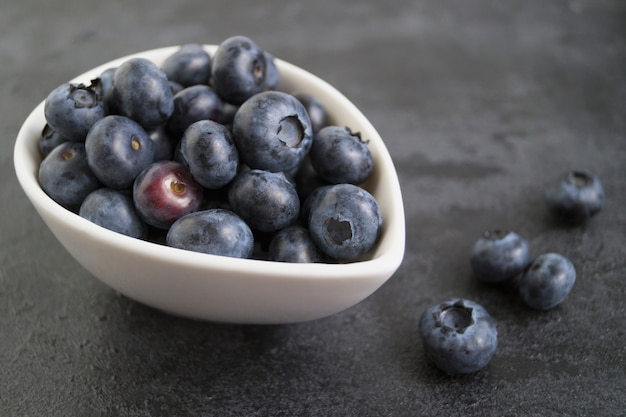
{"x":204,"y":153}
{"x":459,"y":336}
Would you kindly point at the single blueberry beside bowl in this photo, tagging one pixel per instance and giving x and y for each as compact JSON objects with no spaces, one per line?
{"x":272,"y":131}
{"x":345,"y":221}
{"x":267,"y":201}
{"x":113,"y":210}
{"x":575,"y":197}
{"x":459,"y":336}
{"x":213,"y":231}
{"x":499,"y":256}
{"x":547,"y":281}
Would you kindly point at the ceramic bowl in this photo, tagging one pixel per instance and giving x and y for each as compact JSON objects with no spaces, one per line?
{"x":216,"y":288}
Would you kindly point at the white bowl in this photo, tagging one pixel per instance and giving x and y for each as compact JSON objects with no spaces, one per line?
{"x":216,"y":288}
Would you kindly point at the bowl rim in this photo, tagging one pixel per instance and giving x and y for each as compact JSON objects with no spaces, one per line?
{"x":389,"y":250}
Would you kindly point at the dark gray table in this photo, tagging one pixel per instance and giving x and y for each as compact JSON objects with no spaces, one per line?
{"x":480,"y":103}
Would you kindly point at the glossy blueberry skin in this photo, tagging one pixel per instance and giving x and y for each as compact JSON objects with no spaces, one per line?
{"x":499,"y":256}
{"x":164,"y":192}
{"x":345,"y":221}
{"x":238,"y":70}
{"x":214,"y":231}
{"x":272,"y":131}
{"x":547,"y":281}
{"x":575,"y":197}
{"x":142,"y":92}
{"x":198,"y":102}
{"x":49,"y":140}
{"x":316,"y":110}
{"x":293,"y":244}
{"x":118,"y":149}
{"x":189,"y":65}
{"x":115,"y":211}
{"x":267,"y":201}
{"x":71,"y":109}
{"x":65,"y":175}
{"x":341,"y":156}
{"x":459,"y":336}
{"x":208,"y":150}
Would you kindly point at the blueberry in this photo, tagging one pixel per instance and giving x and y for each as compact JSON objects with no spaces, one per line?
{"x":49,"y":140}
{"x":208,"y":150}
{"x":189,"y":65}
{"x":341,"y":156}
{"x":118,"y":148}
{"x":316,"y":110}
{"x":164,"y":192}
{"x":308,"y":201}
{"x":293,"y":244}
{"x":198,"y":102}
{"x":238,"y":70}
{"x":65,"y":175}
{"x":459,"y":336}
{"x":499,"y":256}
{"x":575,"y":197}
{"x":272,"y":131}
{"x":267,"y":201}
{"x":306,"y":179}
{"x":106,"y":80}
{"x":115,"y":211}
{"x":164,"y":143}
{"x":547,"y":281}
{"x":71,"y":109}
{"x":272,"y":73}
{"x":175,"y":87}
{"x":142,"y":92}
{"x":214,"y":231}
{"x":345,"y":221}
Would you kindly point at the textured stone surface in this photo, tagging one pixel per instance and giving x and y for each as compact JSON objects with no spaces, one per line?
{"x":480,"y":103}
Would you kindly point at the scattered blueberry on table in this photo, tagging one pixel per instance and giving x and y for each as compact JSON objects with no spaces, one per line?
{"x":499,"y":255}
{"x":459,"y":336}
{"x":547,"y":281}
{"x":575,"y":197}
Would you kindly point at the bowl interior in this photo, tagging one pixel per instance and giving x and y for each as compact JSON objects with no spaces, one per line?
{"x":219,"y":288}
